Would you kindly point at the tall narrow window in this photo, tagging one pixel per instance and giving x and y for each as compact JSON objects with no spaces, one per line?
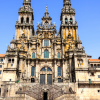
{"x":71,"y":20}
{"x":27,"y":20}
{"x":9,"y":61}
{"x":33,"y":55}
{"x":0,"y":71}
{"x":0,"y":66}
{"x":12,"y":60}
{"x":66,"y":20}
{"x":59,"y":71}
{"x":58,"y":55}
{"x":46,"y":54}
{"x":32,"y":71}
{"x":22,"y":20}
{"x":46,"y":42}
{"x":95,"y":66}
{"x":98,"y":66}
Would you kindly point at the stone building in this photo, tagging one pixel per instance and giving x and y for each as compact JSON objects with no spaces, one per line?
{"x":47,"y":66}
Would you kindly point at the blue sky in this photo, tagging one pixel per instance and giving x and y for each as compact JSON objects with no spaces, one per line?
{"x":87,"y":17}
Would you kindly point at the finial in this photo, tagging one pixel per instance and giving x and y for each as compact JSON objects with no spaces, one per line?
{"x":46,"y":9}
{"x":13,"y":37}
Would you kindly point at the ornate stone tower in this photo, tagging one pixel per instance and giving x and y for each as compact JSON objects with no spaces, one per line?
{"x":17,"y":54}
{"x":25,"y":21}
{"x":68,"y":29}
{"x":69,"y":36}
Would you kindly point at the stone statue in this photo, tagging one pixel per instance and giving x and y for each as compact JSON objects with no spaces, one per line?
{"x":71,"y":90}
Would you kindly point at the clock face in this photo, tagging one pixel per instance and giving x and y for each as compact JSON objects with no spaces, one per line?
{"x":26,"y":0}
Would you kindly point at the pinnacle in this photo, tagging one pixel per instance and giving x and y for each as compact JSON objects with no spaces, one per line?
{"x":67,"y":2}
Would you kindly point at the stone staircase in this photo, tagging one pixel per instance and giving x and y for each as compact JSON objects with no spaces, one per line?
{"x":36,"y":91}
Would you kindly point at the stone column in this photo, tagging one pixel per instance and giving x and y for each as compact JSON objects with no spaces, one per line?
{"x":64,"y":69}
{"x":70,"y":67}
{"x":55,"y":51}
{"x":6,"y":63}
{"x":37,"y":70}
{"x":30,"y":31}
{"x":55,"y":72}
{"x":36,"y":50}
{"x":28,"y":66}
{"x":62,"y":50}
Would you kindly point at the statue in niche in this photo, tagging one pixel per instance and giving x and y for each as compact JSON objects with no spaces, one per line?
{"x":67,"y":73}
{"x":70,"y":47}
{"x":24,"y":74}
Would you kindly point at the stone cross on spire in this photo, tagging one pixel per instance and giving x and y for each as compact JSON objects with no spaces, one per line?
{"x":67,"y":2}
{"x":27,"y":0}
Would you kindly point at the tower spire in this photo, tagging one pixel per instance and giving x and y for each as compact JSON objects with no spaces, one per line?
{"x":46,"y":13}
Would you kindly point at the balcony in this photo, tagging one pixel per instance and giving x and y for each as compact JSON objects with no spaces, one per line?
{"x":87,"y":82}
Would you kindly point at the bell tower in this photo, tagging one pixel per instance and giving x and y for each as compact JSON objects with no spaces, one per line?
{"x":68,"y":28}
{"x":25,"y":21}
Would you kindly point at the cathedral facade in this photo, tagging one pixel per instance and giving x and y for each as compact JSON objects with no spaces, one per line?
{"x":46,"y":65}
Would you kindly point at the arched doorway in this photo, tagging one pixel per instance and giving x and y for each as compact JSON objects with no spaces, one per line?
{"x":46,"y":75}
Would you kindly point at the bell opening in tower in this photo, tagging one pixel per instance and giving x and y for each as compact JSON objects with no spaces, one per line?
{"x":45,"y":96}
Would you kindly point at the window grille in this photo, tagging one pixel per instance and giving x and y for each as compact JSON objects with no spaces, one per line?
{"x":32,"y":71}
{"x":33,"y":55}
{"x":58,"y":55}
{"x":46,"y":54}
{"x":59,"y":71}
{"x":46,"y":42}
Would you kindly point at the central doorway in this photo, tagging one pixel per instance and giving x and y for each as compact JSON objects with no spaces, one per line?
{"x":46,"y":75}
{"x":45,"y":96}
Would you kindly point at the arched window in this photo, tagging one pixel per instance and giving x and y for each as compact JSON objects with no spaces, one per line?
{"x":27,"y":20}
{"x":43,"y":69}
{"x":33,"y":55}
{"x":32,"y":71}
{"x":46,"y":42}
{"x":66,"y":20}
{"x":46,"y":54}
{"x":71,"y":20}
{"x":58,"y":55}
{"x":22,"y":20}
{"x":49,"y":69}
{"x":59,"y":71}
